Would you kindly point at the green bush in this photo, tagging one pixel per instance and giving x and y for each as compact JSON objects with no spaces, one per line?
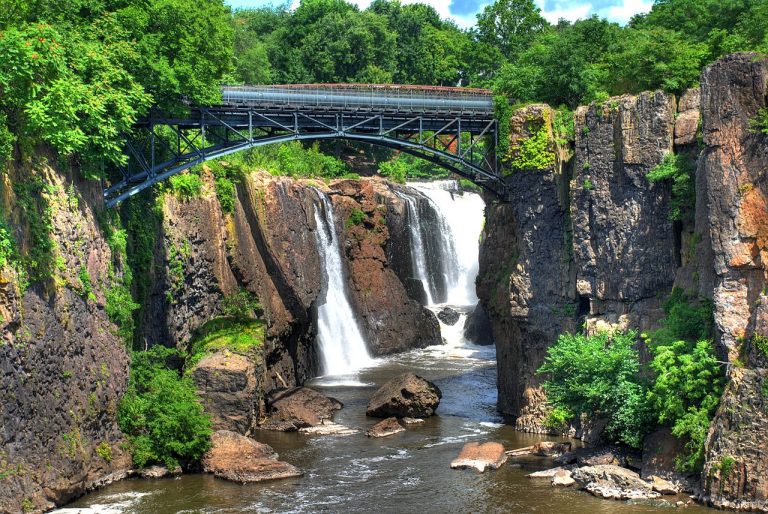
{"x":186,"y":185}
{"x":679,"y":171}
{"x":225,"y":192}
{"x":598,"y":375}
{"x":535,"y":152}
{"x":685,"y":319}
{"x":8,"y":253}
{"x":759,"y":124}
{"x":356,"y":217}
{"x":120,"y":307}
{"x":160,"y":413}
{"x":241,"y":306}
{"x":395,"y":170}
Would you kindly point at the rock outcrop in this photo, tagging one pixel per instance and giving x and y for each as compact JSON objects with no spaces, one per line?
{"x":385,"y":428}
{"x":613,"y":482}
{"x":230,"y":388}
{"x":63,"y":368}
{"x":529,"y":298}
{"x":480,"y":456}
{"x":407,"y":395}
{"x":241,"y":459}
{"x":733,"y":165}
{"x":298,"y":407}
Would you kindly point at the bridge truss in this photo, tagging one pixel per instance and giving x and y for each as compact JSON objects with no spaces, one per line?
{"x":161,"y":146}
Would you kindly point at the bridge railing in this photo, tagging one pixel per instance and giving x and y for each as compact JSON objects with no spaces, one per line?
{"x":362,"y":97}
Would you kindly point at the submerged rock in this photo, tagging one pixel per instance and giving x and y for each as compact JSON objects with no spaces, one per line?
{"x":546,"y":473}
{"x":241,"y":459}
{"x":298,"y":407}
{"x":413,"y":421}
{"x":328,"y":428}
{"x":480,"y":456}
{"x":407,"y":395}
{"x":448,"y":316}
{"x":385,"y":428}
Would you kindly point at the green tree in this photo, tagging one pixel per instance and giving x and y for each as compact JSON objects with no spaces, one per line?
{"x":160,"y":413}
{"x":510,"y":25}
{"x":598,"y":375}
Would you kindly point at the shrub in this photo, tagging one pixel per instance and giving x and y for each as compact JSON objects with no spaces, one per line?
{"x":356,"y":217}
{"x":686,"y":319}
{"x":225,"y":192}
{"x":120,"y":307}
{"x":535,"y":152}
{"x":104,"y":451}
{"x":395,"y":170}
{"x":186,"y":185}
{"x":242,"y":306}
{"x":759,"y":124}
{"x":598,"y":375}
{"x":678,"y":170}
{"x":8,"y":253}
{"x":160,"y":413}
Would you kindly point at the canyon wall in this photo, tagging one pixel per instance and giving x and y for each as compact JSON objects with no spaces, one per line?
{"x":589,"y":243}
{"x":63,"y":368}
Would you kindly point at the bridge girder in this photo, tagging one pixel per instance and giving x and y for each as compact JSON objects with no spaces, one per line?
{"x":164,"y":146}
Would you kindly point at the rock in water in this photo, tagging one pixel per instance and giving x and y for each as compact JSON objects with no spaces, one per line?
{"x":609,"y":481}
{"x":298,"y":407}
{"x":448,"y":316}
{"x":407,"y":395}
{"x":389,"y":426}
{"x":241,"y":459}
{"x":477,"y":327}
{"x":480,"y":456}
{"x":563,"y":478}
{"x":550,"y":448}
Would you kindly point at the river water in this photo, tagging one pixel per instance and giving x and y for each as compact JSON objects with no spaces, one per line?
{"x":405,"y":473}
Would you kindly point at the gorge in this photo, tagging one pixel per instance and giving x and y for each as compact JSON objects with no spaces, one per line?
{"x":349,"y":274}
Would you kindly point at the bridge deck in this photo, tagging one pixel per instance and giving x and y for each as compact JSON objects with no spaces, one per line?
{"x":362,"y":97}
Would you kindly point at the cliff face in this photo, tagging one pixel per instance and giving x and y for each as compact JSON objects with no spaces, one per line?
{"x":268,"y":246}
{"x":525,"y":280}
{"x":63,"y":369}
{"x":734,"y":164}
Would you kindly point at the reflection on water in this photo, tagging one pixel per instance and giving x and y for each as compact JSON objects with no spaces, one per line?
{"x":405,"y":473}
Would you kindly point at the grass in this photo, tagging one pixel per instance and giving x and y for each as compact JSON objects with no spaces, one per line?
{"x":237,"y":336}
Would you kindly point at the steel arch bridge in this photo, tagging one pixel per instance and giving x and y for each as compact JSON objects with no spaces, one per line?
{"x":452,"y":127}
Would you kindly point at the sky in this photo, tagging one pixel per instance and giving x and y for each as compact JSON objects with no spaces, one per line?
{"x":464,"y":12}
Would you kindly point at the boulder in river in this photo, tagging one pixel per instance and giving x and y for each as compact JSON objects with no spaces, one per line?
{"x":407,"y":395}
{"x":550,"y":448}
{"x":387,"y":427}
{"x":298,"y":407}
{"x":613,"y":482}
{"x":448,"y":316}
{"x":241,"y":459}
{"x":480,"y":456}
{"x":153,"y":472}
{"x":563,"y":478}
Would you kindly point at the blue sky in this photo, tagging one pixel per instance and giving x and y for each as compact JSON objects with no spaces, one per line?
{"x":464,"y":11}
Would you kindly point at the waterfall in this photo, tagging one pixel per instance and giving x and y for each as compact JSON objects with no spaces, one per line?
{"x":460,"y":224}
{"x":342,"y":346}
{"x":418,"y":253}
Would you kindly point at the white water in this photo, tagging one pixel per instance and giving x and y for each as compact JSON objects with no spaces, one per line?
{"x":418,"y":256}
{"x":462,"y":218}
{"x":342,"y":347}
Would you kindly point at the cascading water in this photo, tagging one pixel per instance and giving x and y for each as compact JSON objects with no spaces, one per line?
{"x":418,"y":255}
{"x":342,"y":346}
{"x":461,"y":221}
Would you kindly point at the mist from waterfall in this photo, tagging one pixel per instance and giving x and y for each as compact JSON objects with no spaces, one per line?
{"x":343,"y":350}
{"x":460,"y":224}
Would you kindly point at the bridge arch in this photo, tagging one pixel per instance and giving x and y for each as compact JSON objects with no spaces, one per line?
{"x":440,"y":125}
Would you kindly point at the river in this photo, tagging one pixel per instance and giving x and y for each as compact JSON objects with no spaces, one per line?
{"x":405,"y":473}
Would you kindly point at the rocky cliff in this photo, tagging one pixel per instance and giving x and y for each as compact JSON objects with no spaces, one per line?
{"x":63,"y":368}
{"x":734,"y":166}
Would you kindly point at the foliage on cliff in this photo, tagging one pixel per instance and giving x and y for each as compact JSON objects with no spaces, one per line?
{"x":600,"y":376}
{"x":160,"y":414}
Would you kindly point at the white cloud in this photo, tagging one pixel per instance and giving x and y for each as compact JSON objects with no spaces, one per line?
{"x":570,"y":11}
{"x":622,"y":13}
